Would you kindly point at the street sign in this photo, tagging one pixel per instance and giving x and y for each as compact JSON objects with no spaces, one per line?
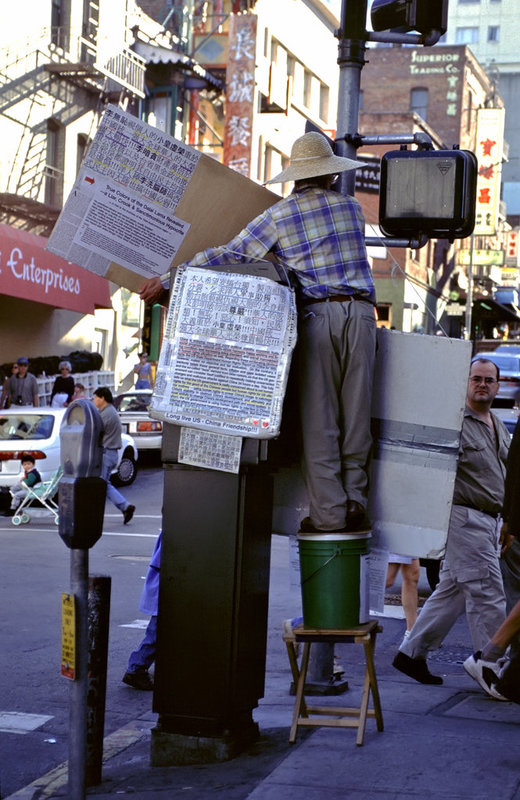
{"x":485,"y":258}
{"x":68,"y":636}
{"x":455,"y":309}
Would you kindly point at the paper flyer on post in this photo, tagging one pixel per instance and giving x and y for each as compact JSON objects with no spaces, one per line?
{"x":210,"y":450}
{"x":121,"y":208}
{"x":226,"y":353}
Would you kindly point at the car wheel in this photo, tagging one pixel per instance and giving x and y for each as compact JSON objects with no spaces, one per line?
{"x":126,"y":471}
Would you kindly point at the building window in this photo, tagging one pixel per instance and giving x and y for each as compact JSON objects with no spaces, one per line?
{"x":60,"y":23}
{"x":493,"y":33}
{"x":469,"y":112}
{"x":324,"y":102}
{"x":466,"y":36}
{"x":419,"y":102}
{"x":307,"y":89}
{"x":82,"y":146}
{"x":54,"y":164}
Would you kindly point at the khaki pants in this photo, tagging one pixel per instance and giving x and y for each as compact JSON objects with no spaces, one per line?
{"x":337,"y":342}
{"x":470,"y":581}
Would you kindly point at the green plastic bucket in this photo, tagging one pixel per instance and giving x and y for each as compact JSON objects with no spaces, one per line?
{"x":334,"y":579}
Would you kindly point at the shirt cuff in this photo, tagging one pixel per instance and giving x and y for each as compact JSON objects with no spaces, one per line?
{"x":165,"y":281}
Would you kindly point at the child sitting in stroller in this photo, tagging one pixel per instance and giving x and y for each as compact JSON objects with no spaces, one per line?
{"x":30,"y":479}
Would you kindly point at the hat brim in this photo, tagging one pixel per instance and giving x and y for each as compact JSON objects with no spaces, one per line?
{"x":313,"y":167}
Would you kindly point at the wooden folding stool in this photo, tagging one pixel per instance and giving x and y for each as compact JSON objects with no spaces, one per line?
{"x":328,"y":716}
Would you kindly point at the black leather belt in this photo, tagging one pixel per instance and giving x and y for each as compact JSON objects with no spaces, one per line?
{"x":494,"y":514}
{"x":335,"y":298}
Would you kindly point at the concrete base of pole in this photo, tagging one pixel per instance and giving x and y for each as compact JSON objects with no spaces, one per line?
{"x":178,"y":749}
{"x":321,"y":679}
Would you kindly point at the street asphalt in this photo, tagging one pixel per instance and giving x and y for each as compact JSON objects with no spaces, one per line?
{"x":448,"y":742}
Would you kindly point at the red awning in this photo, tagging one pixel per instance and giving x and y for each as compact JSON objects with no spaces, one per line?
{"x":29,"y":271}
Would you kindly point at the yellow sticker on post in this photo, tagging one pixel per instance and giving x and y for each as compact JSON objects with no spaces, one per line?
{"x":68,"y":636}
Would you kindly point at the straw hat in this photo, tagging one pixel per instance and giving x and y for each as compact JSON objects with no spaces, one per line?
{"x":311,"y":155}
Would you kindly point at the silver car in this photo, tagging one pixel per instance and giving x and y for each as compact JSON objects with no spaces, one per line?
{"x":25,"y":429}
{"x":133,"y":412}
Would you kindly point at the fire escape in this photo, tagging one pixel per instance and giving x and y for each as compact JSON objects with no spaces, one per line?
{"x":66,"y":74}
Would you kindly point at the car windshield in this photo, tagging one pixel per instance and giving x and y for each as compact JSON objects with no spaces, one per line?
{"x":25,"y":426}
{"x":132,"y":402}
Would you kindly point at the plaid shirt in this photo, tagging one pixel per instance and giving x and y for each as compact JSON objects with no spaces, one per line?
{"x":316,"y":233}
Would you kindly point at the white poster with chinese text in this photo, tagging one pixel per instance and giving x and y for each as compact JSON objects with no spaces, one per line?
{"x":121,"y":208}
{"x":226,"y":353}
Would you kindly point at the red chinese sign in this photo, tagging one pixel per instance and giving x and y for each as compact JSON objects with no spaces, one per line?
{"x":489,"y":147}
{"x":240,"y":91}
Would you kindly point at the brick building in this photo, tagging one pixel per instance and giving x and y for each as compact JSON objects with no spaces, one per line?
{"x":439,"y":91}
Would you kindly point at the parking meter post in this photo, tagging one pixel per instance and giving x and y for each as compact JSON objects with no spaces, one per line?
{"x":82,"y":495}
{"x":79,"y":686}
{"x":99,"y":587}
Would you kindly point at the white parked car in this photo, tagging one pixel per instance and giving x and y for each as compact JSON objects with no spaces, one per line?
{"x":133,"y":412}
{"x":25,"y":429}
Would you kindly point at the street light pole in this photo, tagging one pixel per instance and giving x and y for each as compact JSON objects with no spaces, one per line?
{"x":469,"y":293}
{"x":351,"y":59}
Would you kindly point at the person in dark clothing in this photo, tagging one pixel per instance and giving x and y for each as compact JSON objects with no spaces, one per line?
{"x":63,"y":388}
{"x":505,"y":685}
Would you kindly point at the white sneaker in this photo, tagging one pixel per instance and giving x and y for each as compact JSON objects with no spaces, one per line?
{"x":486,"y":673}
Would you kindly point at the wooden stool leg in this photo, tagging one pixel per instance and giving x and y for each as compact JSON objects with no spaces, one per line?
{"x":363,"y":709}
{"x":299,"y":705}
{"x":369,"y":652}
{"x":293,"y":661}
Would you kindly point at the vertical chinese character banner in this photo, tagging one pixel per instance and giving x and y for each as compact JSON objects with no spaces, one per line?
{"x":512,"y":248}
{"x":489,"y":150}
{"x":240,"y":90}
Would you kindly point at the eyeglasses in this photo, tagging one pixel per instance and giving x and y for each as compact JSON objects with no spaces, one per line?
{"x":479,"y":379}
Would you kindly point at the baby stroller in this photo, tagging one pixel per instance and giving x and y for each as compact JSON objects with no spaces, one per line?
{"x":42,"y":493}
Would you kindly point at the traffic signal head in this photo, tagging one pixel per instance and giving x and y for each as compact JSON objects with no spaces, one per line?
{"x":423,"y":16}
{"x":428,"y":191}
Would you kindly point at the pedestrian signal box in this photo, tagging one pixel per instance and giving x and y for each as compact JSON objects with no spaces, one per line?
{"x":410,"y":15}
{"x":432,"y":192}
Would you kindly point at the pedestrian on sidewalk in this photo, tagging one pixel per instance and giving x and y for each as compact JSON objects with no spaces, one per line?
{"x":507,"y":684}
{"x":470,"y":579}
{"x":410,"y":571}
{"x":111,"y":443}
{"x":22,"y":387}
{"x":141,"y":659}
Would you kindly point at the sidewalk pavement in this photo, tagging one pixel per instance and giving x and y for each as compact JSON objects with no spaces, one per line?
{"x":445,"y":742}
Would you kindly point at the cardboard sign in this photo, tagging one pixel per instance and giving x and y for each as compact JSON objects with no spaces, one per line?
{"x":144,"y":201}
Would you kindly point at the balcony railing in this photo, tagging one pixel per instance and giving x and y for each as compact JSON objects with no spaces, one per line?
{"x":69,"y":52}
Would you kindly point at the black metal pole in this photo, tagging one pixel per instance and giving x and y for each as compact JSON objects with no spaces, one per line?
{"x":78,"y":688}
{"x":98,"y":625}
{"x":351,"y":59}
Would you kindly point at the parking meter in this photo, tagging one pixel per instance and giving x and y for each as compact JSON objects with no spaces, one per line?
{"x":82,"y":491}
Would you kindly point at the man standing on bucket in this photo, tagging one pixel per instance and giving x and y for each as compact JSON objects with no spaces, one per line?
{"x":319,"y":235}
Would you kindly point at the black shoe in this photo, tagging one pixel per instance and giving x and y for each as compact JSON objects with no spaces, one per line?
{"x":128,"y":513}
{"x":10,"y":512}
{"x":415,"y":668}
{"x":138,"y":680}
{"x":306,"y":526}
{"x":357,"y":519}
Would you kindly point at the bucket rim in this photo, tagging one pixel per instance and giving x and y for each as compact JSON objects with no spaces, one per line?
{"x":334,"y":537}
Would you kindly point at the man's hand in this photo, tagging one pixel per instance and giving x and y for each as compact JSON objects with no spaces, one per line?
{"x":152,"y":292}
{"x":505,"y":540}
